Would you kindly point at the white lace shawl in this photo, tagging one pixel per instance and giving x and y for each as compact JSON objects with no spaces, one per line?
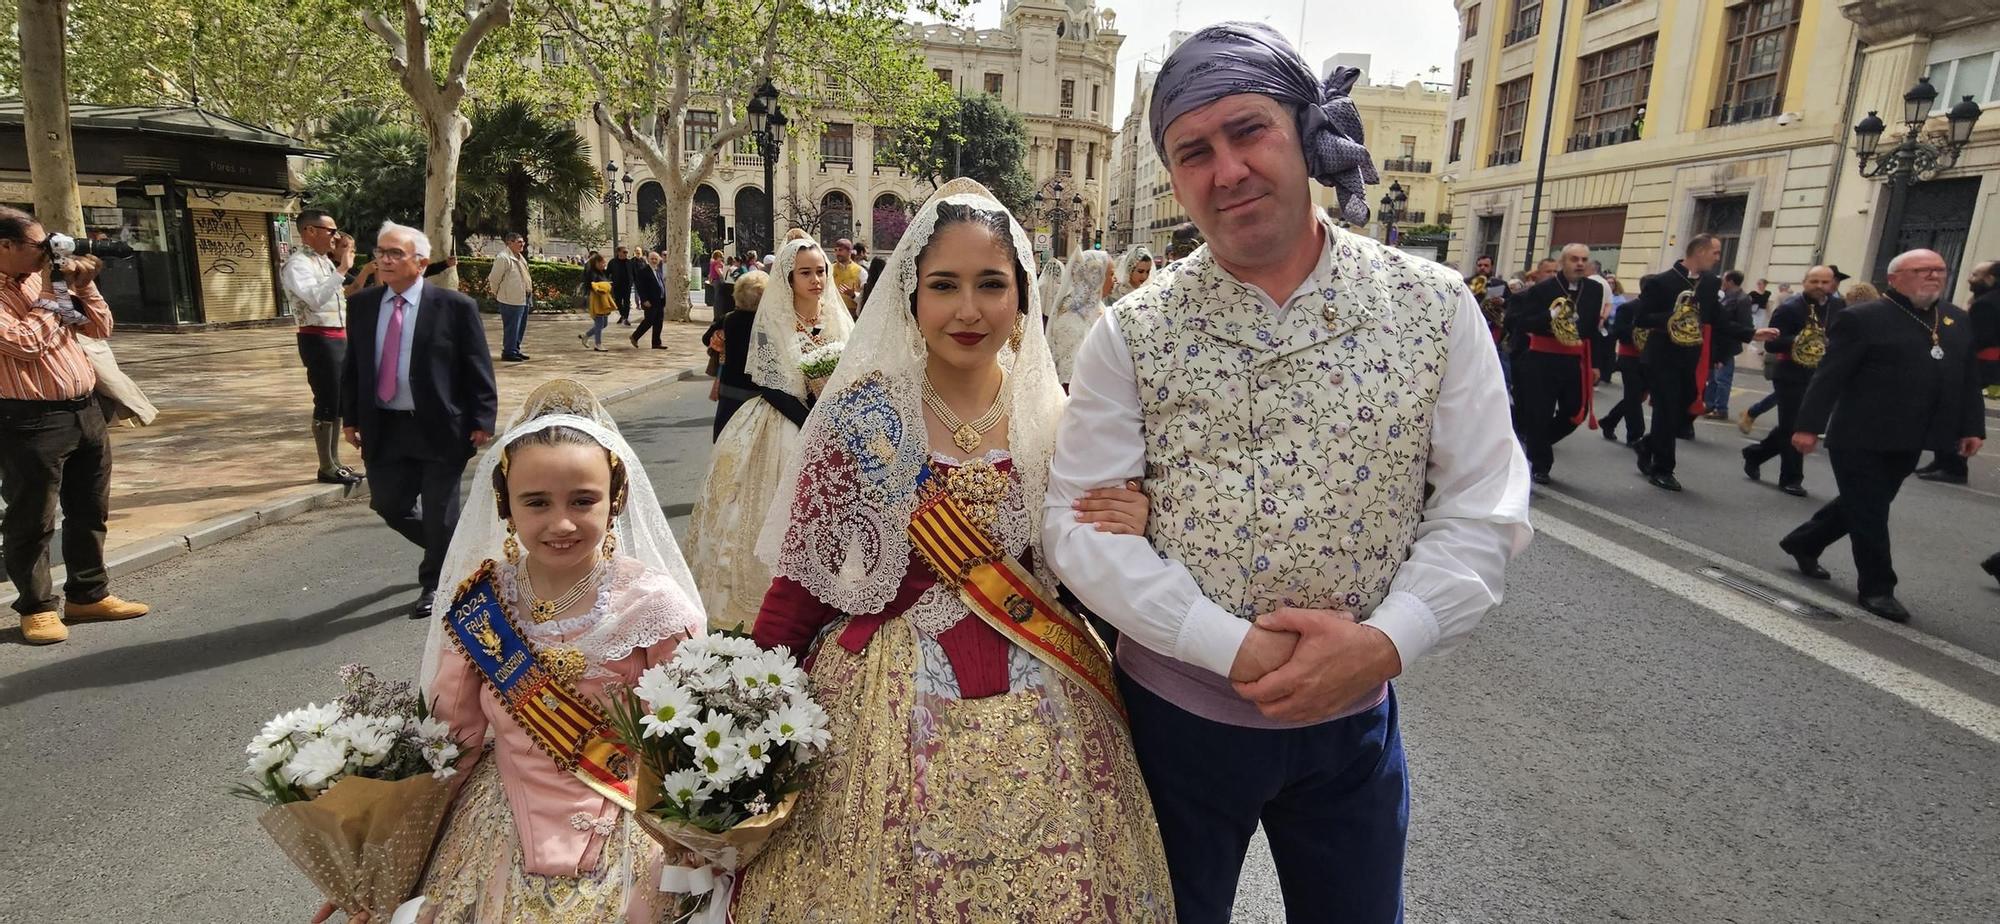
{"x":635,"y":608}
{"x":840,"y":524}
{"x":1083,"y":284}
{"x":774,"y":338}
{"x":1123,"y":284}
{"x":1050,"y":286}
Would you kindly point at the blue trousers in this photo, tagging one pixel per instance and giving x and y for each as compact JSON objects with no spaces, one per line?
{"x":513,"y":328}
{"x":1720,"y":380}
{"x":1334,"y":800}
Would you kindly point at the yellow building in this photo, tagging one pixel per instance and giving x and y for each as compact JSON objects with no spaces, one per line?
{"x":1956,"y":44}
{"x":1669,"y":118}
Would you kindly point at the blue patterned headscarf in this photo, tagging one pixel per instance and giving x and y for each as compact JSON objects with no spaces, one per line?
{"x":1246,"y":57}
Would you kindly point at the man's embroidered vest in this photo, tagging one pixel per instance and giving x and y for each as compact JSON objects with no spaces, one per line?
{"x":1286,"y":459}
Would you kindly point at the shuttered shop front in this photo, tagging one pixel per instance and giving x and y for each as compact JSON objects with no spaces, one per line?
{"x":233,"y":262}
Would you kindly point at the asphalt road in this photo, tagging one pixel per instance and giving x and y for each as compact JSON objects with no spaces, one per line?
{"x":1625,"y":740}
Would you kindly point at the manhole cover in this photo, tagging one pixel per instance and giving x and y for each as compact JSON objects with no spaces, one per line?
{"x":1766,"y":594}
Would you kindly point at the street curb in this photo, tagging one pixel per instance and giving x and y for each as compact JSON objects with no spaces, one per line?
{"x":144,"y":554}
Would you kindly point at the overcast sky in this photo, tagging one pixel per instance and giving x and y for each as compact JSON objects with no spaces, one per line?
{"x":1405,"y":37}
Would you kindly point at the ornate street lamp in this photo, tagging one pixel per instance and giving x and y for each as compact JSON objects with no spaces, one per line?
{"x":1392,"y":205}
{"x":613,"y":197}
{"x":1915,"y":158}
{"x":1049,"y":206}
{"x":767,"y":125}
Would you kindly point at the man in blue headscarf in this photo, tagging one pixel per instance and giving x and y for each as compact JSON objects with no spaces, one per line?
{"x":1322,"y":426}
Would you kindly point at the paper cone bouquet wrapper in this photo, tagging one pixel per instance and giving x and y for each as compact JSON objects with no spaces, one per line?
{"x":363,"y":842}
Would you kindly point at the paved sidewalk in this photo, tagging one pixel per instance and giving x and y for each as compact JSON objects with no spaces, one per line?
{"x":232,"y":447}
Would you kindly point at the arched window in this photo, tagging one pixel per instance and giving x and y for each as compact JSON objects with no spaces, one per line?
{"x":753,"y":221}
{"x":706,"y":218}
{"x":836,"y":218}
{"x":886,"y":223}
{"x":651,"y":198}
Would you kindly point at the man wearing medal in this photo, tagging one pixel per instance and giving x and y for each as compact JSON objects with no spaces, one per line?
{"x":1898,"y":377}
{"x":1335,"y":492}
{"x":1553,"y":377}
{"x":1681,"y":313}
{"x":1799,"y":348}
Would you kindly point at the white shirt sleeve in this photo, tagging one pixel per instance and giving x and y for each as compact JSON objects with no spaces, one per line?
{"x":1152,"y":600}
{"x":1477,"y":517}
{"x":1475,"y":521}
{"x":305,"y":284}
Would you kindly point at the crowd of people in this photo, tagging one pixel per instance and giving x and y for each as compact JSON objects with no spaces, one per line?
{"x":1885,"y":375}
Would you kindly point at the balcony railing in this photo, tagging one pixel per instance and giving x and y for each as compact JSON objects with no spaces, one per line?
{"x":1584,"y":141}
{"x":1521,"y":34}
{"x":1406,"y":164}
{"x":746,"y":160}
{"x":1746,"y":111}
{"x":1503,"y":158}
{"x":1444,"y":218}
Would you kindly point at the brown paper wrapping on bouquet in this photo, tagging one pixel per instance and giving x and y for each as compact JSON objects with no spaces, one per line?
{"x":729,"y":850}
{"x":363,"y":842}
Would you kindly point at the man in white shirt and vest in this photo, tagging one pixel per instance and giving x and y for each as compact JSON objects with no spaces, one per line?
{"x":316,"y":290}
{"x":1321,"y":423}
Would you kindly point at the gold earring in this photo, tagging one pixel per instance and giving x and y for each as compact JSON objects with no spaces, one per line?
{"x":1014,"y":339}
{"x":610,"y":544}
{"x":512,"y":547}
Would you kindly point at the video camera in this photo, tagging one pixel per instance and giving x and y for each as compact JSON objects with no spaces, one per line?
{"x":61,"y":247}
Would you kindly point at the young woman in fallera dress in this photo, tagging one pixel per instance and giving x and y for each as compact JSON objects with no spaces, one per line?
{"x":972,"y":775}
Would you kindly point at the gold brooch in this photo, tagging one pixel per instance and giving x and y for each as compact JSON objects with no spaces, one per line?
{"x":563,"y":663}
{"x":980,"y":487}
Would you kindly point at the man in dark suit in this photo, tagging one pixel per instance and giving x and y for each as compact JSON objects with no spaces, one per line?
{"x":624,"y":270}
{"x":1947,"y":465}
{"x":652,"y":302}
{"x":1898,"y":378}
{"x":1553,"y":379}
{"x":1801,"y":322}
{"x":417,"y":395}
{"x":1676,"y":372}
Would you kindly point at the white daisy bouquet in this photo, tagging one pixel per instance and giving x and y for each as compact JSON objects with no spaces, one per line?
{"x":725,"y":732}
{"x":819,"y":362}
{"x":356,"y":789}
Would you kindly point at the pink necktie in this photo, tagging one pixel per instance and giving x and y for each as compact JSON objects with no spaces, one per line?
{"x":392,"y":353}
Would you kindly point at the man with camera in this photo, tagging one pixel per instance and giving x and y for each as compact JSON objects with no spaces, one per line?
{"x":53,"y":447}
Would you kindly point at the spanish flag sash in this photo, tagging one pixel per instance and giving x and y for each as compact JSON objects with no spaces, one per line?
{"x":571,"y":731}
{"x":1006,"y":596}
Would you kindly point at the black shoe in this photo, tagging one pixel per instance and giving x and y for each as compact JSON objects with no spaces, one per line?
{"x":1687,"y":433}
{"x":1752,"y":469}
{"x":1886,"y":607}
{"x":1632,"y":442}
{"x":1808,"y":565}
{"x":522,"y":357}
{"x":1645,"y":458}
{"x":1991,"y":565}
{"x":423,"y":608}
{"x":1794,"y":489}
{"x":1925,"y":470}
{"x":1941,"y":476}
{"x":1540,"y":478}
{"x":1664,"y":482}
{"x":512,"y":359}
{"x":1610,"y":435}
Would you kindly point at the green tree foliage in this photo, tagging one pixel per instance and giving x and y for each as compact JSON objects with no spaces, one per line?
{"x":973,"y":136}
{"x":278,"y":63}
{"x":517,"y":157}
{"x":374,"y":172}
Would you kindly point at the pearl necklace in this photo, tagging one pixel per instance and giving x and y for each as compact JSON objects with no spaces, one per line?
{"x":541,"y":610}
{"x":966,"y":436}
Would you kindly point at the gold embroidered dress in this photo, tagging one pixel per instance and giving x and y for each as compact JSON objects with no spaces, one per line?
{"x":967,"y":779}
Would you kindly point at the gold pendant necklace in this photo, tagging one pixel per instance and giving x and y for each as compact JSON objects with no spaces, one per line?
{"x":541,"y":610}
{"x":966,"y":436}
{"x":1930,"y":327}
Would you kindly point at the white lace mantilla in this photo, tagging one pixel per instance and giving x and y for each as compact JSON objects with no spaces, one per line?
{"x":634,"y":610}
